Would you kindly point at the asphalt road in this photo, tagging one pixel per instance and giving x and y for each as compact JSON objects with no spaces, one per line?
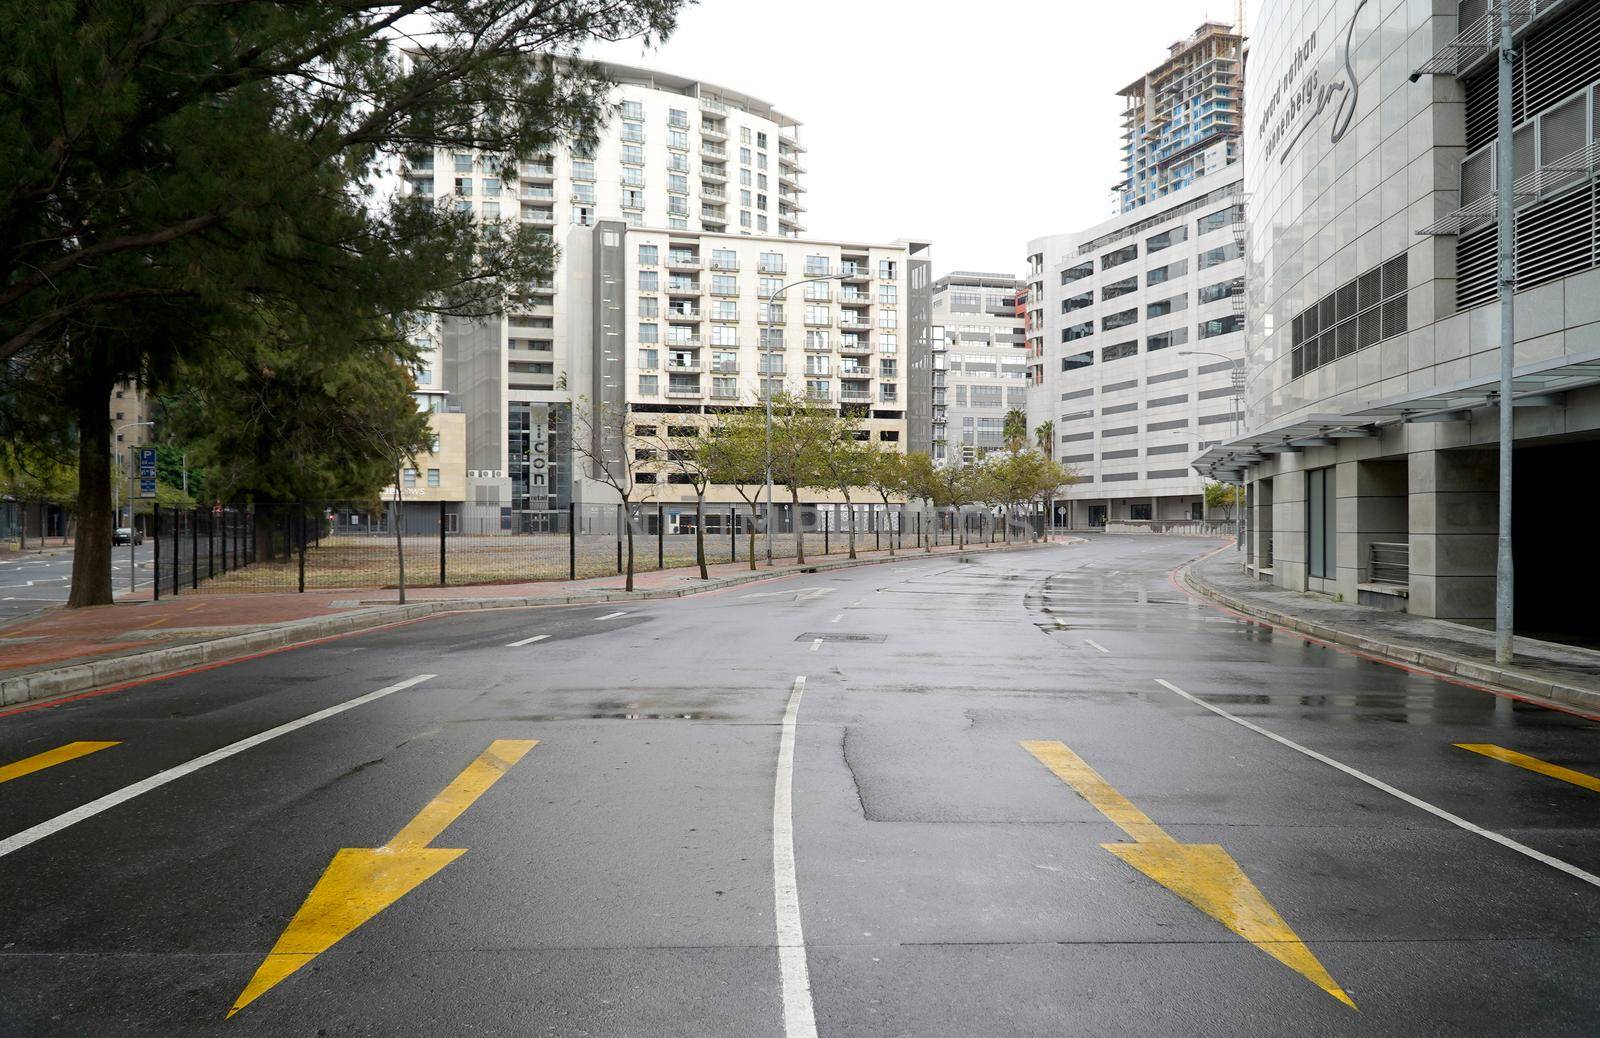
{"x":30,"y":582}
{"x":1037,"y":793}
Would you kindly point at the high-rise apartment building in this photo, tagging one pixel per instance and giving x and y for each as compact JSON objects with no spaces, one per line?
{"x":1136,"y":345}
{"x":688,"y":323}
{"x":980,"y":363}
{"x":1184,"y":118}
{"x":680,"y":155}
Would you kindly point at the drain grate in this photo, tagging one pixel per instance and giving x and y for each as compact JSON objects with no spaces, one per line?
{"x":812,"y":636}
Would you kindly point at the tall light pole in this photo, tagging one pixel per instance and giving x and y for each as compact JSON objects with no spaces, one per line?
{"x":1237,"y":377}
{"x":766,"y":393}
{"x":133,"y":560}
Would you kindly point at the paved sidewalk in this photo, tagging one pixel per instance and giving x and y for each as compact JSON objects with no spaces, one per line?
{"x":63,"y":651}
{"x":1558,"y":672}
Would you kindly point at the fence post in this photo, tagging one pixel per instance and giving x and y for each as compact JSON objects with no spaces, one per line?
{"x":572,"y":540}
{"x":302,"y":550}
{"x":155,"y":549}
{"x":441,"y":544}
{"x":620,"y":520}
{"x":211,"y":544}
{"x":827,"y":518}
{"x":177,"y":551}
{"x":919,"y":529}
{"x":733,"y":536}
{"x":661,"y":536}
{"x":194,"y":549}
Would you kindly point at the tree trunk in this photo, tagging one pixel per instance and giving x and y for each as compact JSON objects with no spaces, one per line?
{"x":626,"y":521}
{"x":91,"y":558}
{"x":399,"y":542}
{"x":893,"y":529}
{"x":850,"y":507}
{"x":700,"y":533}
{"x":799,"y":537}
{"x":752,"y":533}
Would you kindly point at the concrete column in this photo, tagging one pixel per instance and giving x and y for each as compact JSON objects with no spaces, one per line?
{"x":1289,"y":530}
{"x":1453,"y":501}
{"x":1261,"y":523}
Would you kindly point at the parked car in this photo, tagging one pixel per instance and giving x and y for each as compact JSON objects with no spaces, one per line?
{"x":127,"y":535}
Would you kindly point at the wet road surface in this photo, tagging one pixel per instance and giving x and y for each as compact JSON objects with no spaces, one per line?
{"x":1034,"y":793}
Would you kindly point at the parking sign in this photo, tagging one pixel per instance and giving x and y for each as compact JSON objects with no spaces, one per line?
{"x":147,"y":486}
{"x":147,"y":462}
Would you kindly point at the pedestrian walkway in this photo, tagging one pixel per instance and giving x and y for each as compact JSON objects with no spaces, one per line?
{"x":61,"y":638}
{"x":1560,"y":672}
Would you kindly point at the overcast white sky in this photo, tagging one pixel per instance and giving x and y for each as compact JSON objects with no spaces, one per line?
{"x":974,"y":125}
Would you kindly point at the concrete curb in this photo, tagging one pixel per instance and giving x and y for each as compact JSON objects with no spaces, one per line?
{"x":1501,"y":677}
{"x":59,"y":681}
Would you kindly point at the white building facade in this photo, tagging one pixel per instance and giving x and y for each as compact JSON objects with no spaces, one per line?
{"x":980,"y":359}
{"x":1134,"y":338}
{"x":679,"y":154}
{"x":1372,"y":404}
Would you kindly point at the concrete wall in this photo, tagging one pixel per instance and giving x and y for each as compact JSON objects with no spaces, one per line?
{"x":1453,"y":507}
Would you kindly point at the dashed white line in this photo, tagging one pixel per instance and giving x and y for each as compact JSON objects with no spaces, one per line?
{"x":50,"y":826}
{"x":527,"y":641}
{"x":837,"y":619}
{"x":1439,"y":812}
{"x":1097,"y":645}
{"x":816,"y":643}
{"x":610,"y":616}
{"x":799,"y":1018}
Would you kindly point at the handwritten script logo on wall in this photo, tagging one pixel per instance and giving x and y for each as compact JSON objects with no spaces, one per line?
{"x":1300,"y":97}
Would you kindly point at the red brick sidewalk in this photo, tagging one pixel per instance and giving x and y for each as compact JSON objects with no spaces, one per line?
{"x":136,"y":624}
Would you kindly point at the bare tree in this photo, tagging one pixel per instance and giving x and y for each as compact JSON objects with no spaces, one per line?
{"x":886,"y":474}
{"x":843,"y":464}
{"x":674,"y":458}
{"x":600,"y":439}
{"x":733,"y":452}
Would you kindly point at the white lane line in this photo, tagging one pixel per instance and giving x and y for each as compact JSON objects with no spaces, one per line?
{"x":1453,"y":819}
{"x":161,"y":778}
{"x":837,"y":619}
{"x":1097,"y":645}
{"x":527,"y":641}
{"x":610,"y":616}
{"x":816,"y":643}
{"x":799,"y":1019}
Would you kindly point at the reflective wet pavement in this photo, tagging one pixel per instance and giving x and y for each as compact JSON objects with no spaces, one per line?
{"x":1212,"y":827}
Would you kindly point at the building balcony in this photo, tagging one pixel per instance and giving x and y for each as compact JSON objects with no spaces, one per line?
{"x":714,"y":131}
{"x":857,"y":346}
{"x":714,"y":194}
{"x":712,"y":105}
{"x":849,"y":321}
{"x":725,"y":367}
{"x":683,"y":261}
{"x":847,"y":370}
{"x":538,"y":194}
{"x":681,"y":364}
{"x":819,"y":396}
{"x":819,"y":321}
{"x":713,"y":151}
{"x":855,"y":396}
{"x":725,"y":316}
{"x":681,"y":342}
{"x":539,"y":217}
{"x":855,"y":271}
{"x":536,"y":171}
{"x":683,"y":288}
{"x":682,"y":313}
{"x":718,"y":173}
{"x":823,"y":345}
{"x":849,"y":298}
{"x":685,"y":391}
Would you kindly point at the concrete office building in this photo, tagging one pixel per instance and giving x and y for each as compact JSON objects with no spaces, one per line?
{"x":980,"y":361}
{"x":682,"y":326}
{"x":679,"y":154}
{"x":1134,"y":338}
{"x":1183,"y":119}
{"x":1372,"y":399}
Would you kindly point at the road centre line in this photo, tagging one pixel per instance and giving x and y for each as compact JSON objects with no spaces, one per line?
{"x":816,"y":643}
{"x":50,"y":826}
{"x":527,"y":641}
{"x":1534,"y":764}
{"x":799,"y":1018}
{"x":1439,"y":812}
{"x":609,"y":616}
{"x":1097,"y":645}
{"x":837,"y":619}
{"x":50,"y":758}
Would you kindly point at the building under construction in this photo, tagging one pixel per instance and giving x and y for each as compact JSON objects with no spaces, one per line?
{"x":1185,"y":117}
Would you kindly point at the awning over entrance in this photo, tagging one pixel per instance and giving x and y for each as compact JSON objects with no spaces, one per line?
{"x":1540,"y":384}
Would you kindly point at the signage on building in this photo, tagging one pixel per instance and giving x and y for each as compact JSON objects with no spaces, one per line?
{"x":1301,"y":96}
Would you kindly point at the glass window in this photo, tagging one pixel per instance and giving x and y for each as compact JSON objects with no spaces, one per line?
{"x":649,"y":280}
{"x":678,"y":139}
{"x":633,"y":110}
{"x":408,"y":477}
{"x":1077,"y":360}
{"x":1166,"y":239}
{"x":433,"y":477}
{"x":633,"y":154}
{"x":648,"y":385}
{"x":633,"y":132}
{"x":1321,"y":522}
{"x":1214,"y":221}
{"x":1213,"y":293}
{"x":648,"y":359}
{"x":582,"y":170}
{"x":1221,"y":326}
{"x":1221,"y":254}
{"x":678,"y":182}
{"x":649,"y":333}
{"x":1118,"y":320}
{"x":632,"y":176}
{"x":744,"y":156}
{"x":649,"y":306}
{"x":649,"y":255}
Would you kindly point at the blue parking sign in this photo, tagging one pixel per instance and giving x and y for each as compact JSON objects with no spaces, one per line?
{"x":147,"y":486}
{"x":147,"y":461}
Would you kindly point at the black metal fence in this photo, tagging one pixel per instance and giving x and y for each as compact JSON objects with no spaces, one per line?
{"x":301,"y":546}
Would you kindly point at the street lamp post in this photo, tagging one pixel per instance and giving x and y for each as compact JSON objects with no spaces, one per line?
{"x":766,"y":393}
{"x":133,"y":550}
{"x":1237,"y":375}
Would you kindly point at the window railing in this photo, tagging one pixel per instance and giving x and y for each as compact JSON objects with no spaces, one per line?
{"x":1389,"y":562}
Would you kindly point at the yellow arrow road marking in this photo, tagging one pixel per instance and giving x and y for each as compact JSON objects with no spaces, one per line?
{"x":1522,"y":760}
{"x":360,"y":882}
{"x":1203,"y":874}
{"x":50,"y":758}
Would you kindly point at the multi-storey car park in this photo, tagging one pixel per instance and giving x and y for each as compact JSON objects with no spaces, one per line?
{"x":980,"y":362}
{"x":1135,"y":339}
{"x":1372,"y":397}
{"x":680,"y":155}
